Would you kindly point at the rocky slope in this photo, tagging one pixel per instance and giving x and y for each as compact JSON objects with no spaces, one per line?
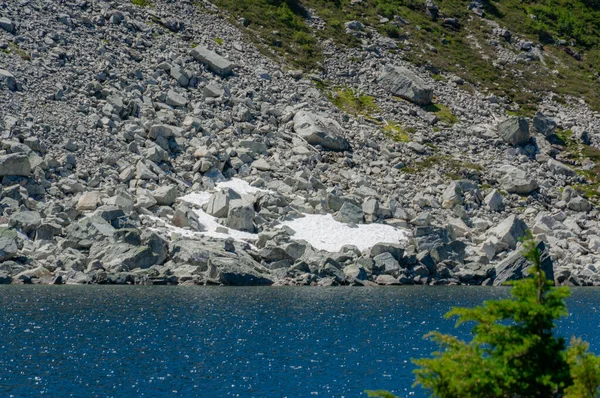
{"x":156,"y":145}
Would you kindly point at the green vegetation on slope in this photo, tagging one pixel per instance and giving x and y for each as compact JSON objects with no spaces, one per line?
{"x":281,"y":27}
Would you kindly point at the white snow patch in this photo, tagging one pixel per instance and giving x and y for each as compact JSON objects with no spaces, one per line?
{"x":209,"y":222}
{"x":325,"y":233}
{"x":240,"y":186}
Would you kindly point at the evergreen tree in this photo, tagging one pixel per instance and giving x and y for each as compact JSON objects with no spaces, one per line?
{"x":514,"y":352}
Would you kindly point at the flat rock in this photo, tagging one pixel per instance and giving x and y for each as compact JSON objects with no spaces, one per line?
{"x":213,"y":61}
{"x":320,"y":130}
{"x":406,"y":84}
{"x":15,"y":164}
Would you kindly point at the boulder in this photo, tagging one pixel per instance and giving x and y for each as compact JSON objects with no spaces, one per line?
{"x":515,"y":131}
{"x":7,"y":25}
{"x":395,"y":249}
{"x":89,"y":201}
{"x":123,"y":256}
{"x":350,"y":214}
{"x":175,"y":99}
{"x":406,"y":84}
{"x":9,"y":245}
{"x":26,"y":221}
{"x":510,"y":231}
{"x":15,"y":164}
{"x":237,"y":272}
{"x":557,"y":167}
{"x":165,"y":195}
{"x":88,"y":231}
{"x":213,"y":61}
{"x":515,"y":180}
{"x":240,"y":216}
{"x":543,"y":124}
{"x":386,"y":263}
{"x":9,"y":80}
{"x":218,"y":204}
{"x":320,"y":130}
{"x":494,"y":201}
{"x":515,"y":266}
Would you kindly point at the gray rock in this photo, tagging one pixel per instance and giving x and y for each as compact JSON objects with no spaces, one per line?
{"x":7,"y":25}
{"x":579,"y":203}
{"x":180,"y":75}
{"x":15,"y":164}
{"x":494,"y":201}
{"x":123,"y":256}
{"x":8,"y":244}
{"x":514,"y":267}
{"x":514,"y":130}
{"x":234,"y":272}
{"x":510,"y":231}
{"x":350,"y":214}
{"x":543,"y":124}
{"x":320,"y":130}
{"x":405,"y":84}
{"x":165,"y":195}
{"x":9,"y":80}
{"x":218,"y":204}
{"x":175,"y":99}
{"x":241,"y":216}
{"x":559,"y":168}
{"x":26,"y":221}
{"x":88,"y":231}
{"x":515,"y":180}
{"x":213,"y":61}
{"x":386,"y":263}
{"x":184,"y":217}
{"x":395,"y":249}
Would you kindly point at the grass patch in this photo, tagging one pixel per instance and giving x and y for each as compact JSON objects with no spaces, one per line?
{"x":442,"y":112}
{"x":450,"y":167}
{"x":142,"y":3}
{"x":350,"y":101}
{"x":398,"y":133}
{"x":219,"y":41}
{"x":14,"y":48}
{"x":581,"y":155}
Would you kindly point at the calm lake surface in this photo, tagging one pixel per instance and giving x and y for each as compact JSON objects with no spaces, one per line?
{"x":123,"y":341}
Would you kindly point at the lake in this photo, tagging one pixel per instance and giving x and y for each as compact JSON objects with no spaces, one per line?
{"x":160,"y":341}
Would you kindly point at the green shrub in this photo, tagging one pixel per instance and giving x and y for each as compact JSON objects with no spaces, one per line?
{"x":514,"y":352}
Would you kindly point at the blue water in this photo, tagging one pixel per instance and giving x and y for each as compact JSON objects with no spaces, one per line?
{"x":100,"y":341}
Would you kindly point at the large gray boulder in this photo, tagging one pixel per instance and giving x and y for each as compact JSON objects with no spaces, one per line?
{"x":510,"y":231}
{"x":515,"y":180}
{"x":7,"y":25}
{"x":9,"y":80}
{"x":165,"y":195}
{"x":213,"y":61}
{"x":406,"y":84}
{"x":89,"y":230}
{"x":218,"y":204}
{"x":350,"y":214}
{"x":515,"y":131}
{"x":15,"y":164}
{"x":320,"y":130}
{"x":237,"y":272}
{"x":543,"y":124}
{"x":26,"y":221}
{"x":515,"y":266}
{"x":123,"y":256}
{"x":8,"y":243}
{"x":240,"y":216}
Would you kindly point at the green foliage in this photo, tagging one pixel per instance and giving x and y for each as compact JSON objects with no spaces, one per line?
{"x":514,"y":352}
{"x":353,"y":102}
{"x":442,"y":112}
{"x":142,"y":3}
{"x":397,"y":133}
{"x":219,"y":41}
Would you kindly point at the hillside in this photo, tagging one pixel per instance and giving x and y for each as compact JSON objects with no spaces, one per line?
{"x":263,"y":142}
